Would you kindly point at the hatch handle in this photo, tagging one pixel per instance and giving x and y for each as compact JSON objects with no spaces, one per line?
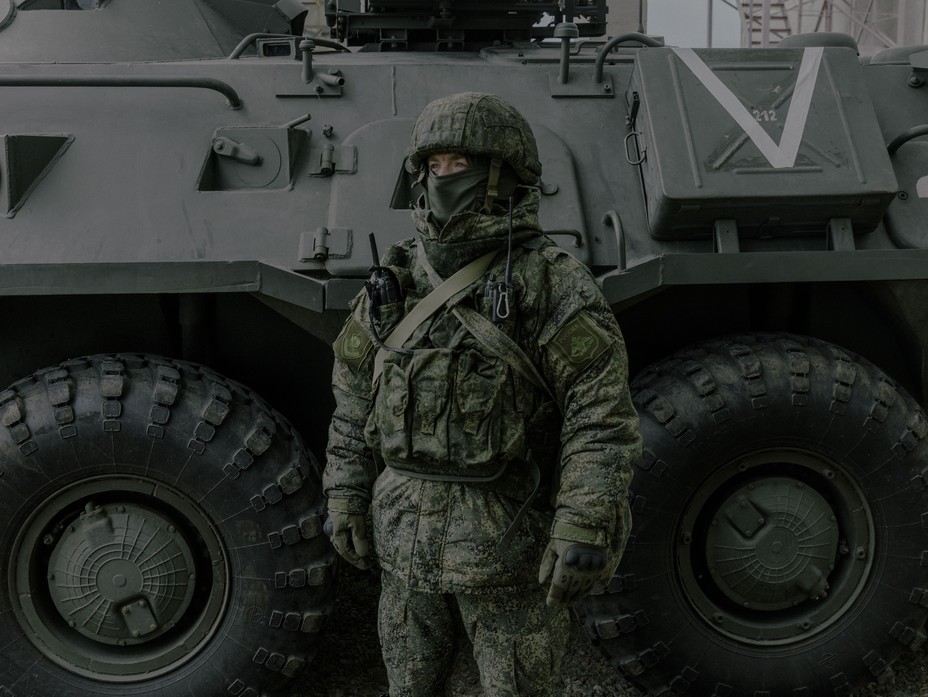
{"x":615,"y":41}
{"x":225,"y":146}
{"x":206,"y":83}
{"x":615,"y":222}
{"x":642,"y":152}
{"x":905,"y":137}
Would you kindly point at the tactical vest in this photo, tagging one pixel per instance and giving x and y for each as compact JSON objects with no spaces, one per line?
{"x":457,"y":412}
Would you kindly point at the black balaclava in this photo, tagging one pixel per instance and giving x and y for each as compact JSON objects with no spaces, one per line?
{"x":457,"y":192}
{"x":470,"y":230}
{"x":466,"y":191}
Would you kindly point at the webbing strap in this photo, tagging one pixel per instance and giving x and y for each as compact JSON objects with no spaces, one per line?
{"x":499,"y":343}
{"x":496,"y":165}
{"x":492,"y":337}
{"x":430,"y":304}
{"x":534,"y":474}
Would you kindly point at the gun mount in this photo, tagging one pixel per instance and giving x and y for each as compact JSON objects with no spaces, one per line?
{"x":448,"y":25}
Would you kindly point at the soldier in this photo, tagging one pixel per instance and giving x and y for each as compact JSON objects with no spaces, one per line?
{"x":485,"y":431}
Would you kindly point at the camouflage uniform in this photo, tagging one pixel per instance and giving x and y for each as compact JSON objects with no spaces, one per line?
{"x":461,"y":431}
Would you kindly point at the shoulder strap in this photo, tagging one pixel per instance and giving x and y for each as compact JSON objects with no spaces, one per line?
{"x":430,"y":304}
{"x":499,"y":343}
{"x":492,"y":338}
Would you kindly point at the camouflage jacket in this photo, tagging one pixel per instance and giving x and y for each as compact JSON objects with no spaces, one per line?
{"x":451,"y":407}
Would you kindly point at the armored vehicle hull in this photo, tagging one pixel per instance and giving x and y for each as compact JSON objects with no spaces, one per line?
{"x":181,"y":233}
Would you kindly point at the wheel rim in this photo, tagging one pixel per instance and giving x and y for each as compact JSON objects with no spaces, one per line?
{"x":775,"y":547}
{"x":119,"y":578}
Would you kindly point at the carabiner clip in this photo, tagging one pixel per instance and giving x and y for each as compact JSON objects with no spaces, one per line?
{"x":502,"y":303}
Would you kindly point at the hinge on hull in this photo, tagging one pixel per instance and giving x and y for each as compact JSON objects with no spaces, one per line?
{"x":324,"y":243}
{"x":331,"y":159}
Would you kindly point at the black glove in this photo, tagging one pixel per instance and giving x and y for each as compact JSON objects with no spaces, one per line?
{"x":573,"y":569}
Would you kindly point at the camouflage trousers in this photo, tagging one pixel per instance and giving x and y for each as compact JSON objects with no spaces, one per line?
{"x":518,"y":641}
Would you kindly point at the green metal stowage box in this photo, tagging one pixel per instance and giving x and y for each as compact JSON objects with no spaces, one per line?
{"x":780,"y":142}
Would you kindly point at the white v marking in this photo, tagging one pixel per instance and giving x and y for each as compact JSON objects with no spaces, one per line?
{"x":784,"y":154}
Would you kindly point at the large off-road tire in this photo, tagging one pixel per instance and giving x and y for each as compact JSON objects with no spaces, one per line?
{"x":160,"y":534}
{"x":778,"y":545}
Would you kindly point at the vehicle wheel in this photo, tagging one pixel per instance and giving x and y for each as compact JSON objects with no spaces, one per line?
{"x":161,"y":535}
{"x":778,"y":544}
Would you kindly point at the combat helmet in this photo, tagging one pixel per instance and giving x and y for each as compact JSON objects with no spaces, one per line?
{"x":475,"y":123}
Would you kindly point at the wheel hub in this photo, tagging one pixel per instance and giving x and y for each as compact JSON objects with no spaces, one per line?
{"x":764,"y":552}
{"x":121,"y":573}
{"x":772,"y":544}
{"x":119,"y":578}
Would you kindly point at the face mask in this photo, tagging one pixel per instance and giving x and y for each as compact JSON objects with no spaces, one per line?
{"x":455,"y":193}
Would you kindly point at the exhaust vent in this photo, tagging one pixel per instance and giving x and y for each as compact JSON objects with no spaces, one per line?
{"x":25,"y":160}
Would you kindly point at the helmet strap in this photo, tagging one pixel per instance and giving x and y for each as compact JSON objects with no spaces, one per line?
{"x":496,"y":165}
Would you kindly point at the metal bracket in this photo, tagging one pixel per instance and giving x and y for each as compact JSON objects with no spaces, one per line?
{"x":581,"y":86}
{"x":840,"y":235}
{"x":725,"y":237}
{"x":633,"y":110}
{"x":919,"y":63}
{"x":288,"y":82}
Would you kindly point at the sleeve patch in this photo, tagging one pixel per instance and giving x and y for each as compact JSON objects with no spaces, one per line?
{"x":580,"y":342}
{"x":353,"y":344}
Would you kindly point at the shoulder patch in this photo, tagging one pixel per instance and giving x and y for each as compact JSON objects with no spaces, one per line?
{"x":353,"y":344}
{"x":580,"y":342}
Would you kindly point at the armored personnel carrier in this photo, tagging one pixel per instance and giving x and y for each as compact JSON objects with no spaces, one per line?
{"x":187,"y":188}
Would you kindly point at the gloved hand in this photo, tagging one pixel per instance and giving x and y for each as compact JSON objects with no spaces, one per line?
{"x":573,"y":568}
{"x":348,"y":533}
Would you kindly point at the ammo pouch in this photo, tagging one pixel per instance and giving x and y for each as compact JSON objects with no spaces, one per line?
{"x":449,"y":413}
